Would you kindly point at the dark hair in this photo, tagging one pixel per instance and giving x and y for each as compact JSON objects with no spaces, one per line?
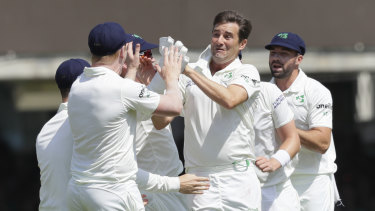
{"x":64,"y":92}
{"x":234,"y":17}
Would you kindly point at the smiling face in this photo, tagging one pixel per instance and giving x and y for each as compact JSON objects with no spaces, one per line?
{"x":225,"y":44}
{"x":283,"y":61}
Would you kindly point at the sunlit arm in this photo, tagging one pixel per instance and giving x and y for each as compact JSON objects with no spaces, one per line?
{"x":228,"y":97}
{"x":317,"y":139}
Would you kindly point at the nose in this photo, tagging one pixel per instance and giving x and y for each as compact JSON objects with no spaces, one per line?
{"x":275,"y":56}
{"x":220,"y":39}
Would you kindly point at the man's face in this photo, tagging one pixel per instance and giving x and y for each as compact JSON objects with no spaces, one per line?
{"x":225,"y":44}
{"x":283,"y":61}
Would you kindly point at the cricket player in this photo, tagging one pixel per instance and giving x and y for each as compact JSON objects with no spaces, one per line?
{"x":218,"y":91}
{"x":311,"y":103}
{"x":276,"y":142}
{"x":157,"y":155}
{"x":102,"y":113}
{"x":54,"y":144}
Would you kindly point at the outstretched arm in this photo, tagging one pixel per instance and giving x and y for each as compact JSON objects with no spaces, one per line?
{"x":170,"y":103}
{"x":187,"y":183}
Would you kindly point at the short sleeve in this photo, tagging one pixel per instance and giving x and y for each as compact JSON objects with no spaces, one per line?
{"x":281,"y":113}
{"x":136,"y":96}
{"x":320,"y":105}
{"x":248,"y":77}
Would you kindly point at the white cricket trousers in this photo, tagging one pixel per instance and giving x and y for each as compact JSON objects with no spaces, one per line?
{"x":104,"y":197}
{"x":280,"y":197}
{"x":173,"y":201}
{"x":232,"y":188}
{"x":316,"y":192}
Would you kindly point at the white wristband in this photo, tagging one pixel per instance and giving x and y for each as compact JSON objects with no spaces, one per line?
{"x":282,"y":156}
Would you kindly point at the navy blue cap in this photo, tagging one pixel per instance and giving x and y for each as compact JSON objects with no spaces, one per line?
{"x":107,"y":38}
{"x":144,"y":45}
{"x":288,"y":40}
{"x":68,"y":71}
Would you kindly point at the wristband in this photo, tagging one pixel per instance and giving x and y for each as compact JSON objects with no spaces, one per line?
{"x":282,"y":156}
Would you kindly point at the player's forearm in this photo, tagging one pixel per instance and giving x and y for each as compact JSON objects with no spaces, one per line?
{"x":161,"y":122}
{"x":290,"y":139}
{"x":171,"y":102}
{"x":131,"y":74}
{"x":218,"y":93}
{"x":156,"y":183}
{"x":291,"y":145}
{"x":316,"y":139}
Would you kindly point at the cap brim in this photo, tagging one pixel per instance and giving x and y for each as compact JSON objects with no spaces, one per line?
{"x":148,"y":46}
{"x":282,"y":44}
{"x":128,"y":38}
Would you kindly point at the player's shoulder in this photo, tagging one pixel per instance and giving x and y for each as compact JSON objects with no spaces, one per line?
{"x":315,"y":87}
{"x":269,"y":88}
{"x":248,"y":70}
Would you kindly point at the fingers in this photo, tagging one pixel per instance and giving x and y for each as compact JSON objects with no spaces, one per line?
{"x":202,"y":179}
{"x":165,"y":53}
{"x":137,"y":49}
{"x":157,"y":68}
{"x":129,"y":49}
{"x":144,"y":199}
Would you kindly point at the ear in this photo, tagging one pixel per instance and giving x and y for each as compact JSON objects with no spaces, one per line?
{"x":123,"y":51}
{"x":299,"y":59}
{"x":243,"y":44}
{"x":124,"y":70}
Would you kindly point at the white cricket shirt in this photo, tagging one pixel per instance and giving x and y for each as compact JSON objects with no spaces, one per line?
{"x":54,"y":146}
{"x":271,"y":111}
{"x":156,"y":150}
{"x":311,"y":104}
{"x":102,"y":114}
{"x":157,"y":153}
{"x":213,"y":134}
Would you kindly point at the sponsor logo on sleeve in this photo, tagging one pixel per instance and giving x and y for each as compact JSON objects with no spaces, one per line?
{"x":248,"y":80}
{"x":278,"y":101}
{"x":189,"y":83}
{"x":144,"y":92}
{"x":322,"y":106}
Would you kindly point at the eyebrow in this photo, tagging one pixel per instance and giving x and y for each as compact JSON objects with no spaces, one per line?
{"x":225,"y":32}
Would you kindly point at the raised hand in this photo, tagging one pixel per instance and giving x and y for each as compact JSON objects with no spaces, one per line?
{"x":146,"y":71}
{"x":171,"y":64}
{"x":132,"y":60}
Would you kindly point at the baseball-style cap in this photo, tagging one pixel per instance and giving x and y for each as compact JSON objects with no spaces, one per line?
{"x":144,"y":45}
{"x":288,"y":40}
{"x":68,"y":71}
{"x":107,"y":38}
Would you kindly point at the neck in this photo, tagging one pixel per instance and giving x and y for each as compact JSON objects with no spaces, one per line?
{"x":285,"y":83}
{"x":114,"y":66}
{"x":214,"y":67}
{"x":64,"y":99}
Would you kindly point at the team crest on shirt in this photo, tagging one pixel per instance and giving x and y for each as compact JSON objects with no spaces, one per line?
{"x":299,"y":99}
{"x":228,"y":75}
{"x":144,"y":93}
